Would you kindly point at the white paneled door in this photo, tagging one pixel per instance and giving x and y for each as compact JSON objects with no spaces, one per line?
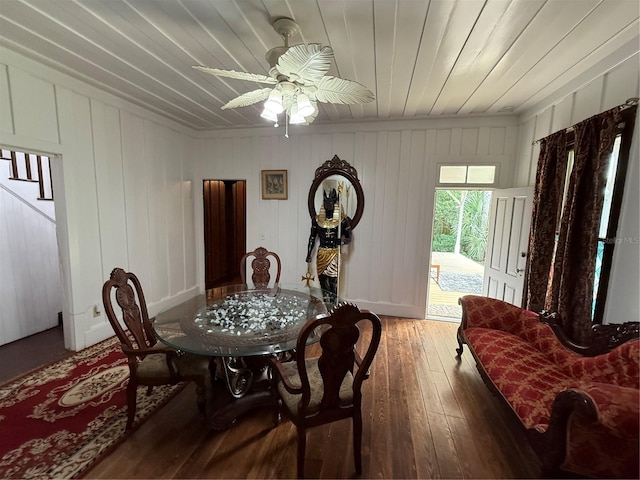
{"x":507,"y":244}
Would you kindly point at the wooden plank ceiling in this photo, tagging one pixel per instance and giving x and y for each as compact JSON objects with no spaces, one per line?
{"x":420,"y":58}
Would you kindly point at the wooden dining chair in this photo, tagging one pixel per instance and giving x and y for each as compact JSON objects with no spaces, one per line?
{"x":315,"y":391}
{"x":150,"y":363}
{"x":261,"y":266}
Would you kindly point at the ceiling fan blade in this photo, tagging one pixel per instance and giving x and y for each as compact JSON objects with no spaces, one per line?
{"x":338,"y":90}
{"x":306,"y":63}
{"x":249,"y":98}
{"x":251,"y":77}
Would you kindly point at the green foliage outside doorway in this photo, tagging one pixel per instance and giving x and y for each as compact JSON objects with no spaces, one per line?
{"x":461,"y":222}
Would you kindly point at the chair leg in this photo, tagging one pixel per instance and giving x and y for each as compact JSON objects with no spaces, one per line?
{"x":277,"y":401}
{"x":302,"y":443}
{"x":277,"y":413}
{"x":132,"y":388}
{"x":201,"y":395}
{"x":357,"y":441}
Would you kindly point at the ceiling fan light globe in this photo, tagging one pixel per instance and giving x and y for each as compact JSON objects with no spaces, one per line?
{"x":304,"y":105}
{"x":297,"y":119}
{"x":267,"y":114}
{"x":294,"y":117}
{"x":274,"y":102}
{"x":273,"y":107}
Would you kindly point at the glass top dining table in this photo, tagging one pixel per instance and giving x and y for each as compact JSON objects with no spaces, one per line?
{"x":239,"y":321}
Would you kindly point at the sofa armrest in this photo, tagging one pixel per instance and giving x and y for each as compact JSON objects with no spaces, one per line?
{"x":592,"y":414}
{"x":618,"y":408}
{"x":608,"y":446}
{"x":550,"y":441}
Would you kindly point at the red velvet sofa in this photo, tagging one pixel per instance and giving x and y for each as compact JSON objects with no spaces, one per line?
{"x":581,"y":411}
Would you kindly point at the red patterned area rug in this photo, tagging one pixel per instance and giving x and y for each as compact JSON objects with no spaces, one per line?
{"x":57,"y":421}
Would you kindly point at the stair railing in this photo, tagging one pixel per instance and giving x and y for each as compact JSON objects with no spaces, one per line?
{"x":22,"y":166}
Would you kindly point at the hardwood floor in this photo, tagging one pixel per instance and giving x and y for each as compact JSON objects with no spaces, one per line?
{"x":426,"y":414}
{"x":26,"y":354}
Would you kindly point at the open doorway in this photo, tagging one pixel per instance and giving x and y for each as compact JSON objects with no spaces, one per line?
{"x":224,"y":230}
{"x":458,"y":249}
{"x":29,"y":259}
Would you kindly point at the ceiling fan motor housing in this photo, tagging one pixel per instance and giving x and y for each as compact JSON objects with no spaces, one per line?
{"x":286,"y":28}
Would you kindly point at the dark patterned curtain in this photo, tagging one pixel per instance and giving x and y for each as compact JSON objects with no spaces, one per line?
{"x":561,"y":273}
{"x":575,"y":259}
{"x":547,"y":201}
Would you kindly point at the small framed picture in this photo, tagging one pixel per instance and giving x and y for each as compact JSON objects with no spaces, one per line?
{"x":274,"y":184}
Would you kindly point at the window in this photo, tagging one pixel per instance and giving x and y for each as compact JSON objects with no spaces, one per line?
{"x":610,"y":211}
{"x":467,"y":175}
{"x":614,"y":190}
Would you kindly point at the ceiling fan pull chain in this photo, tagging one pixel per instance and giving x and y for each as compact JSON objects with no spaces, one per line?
{"x":286,"y":125}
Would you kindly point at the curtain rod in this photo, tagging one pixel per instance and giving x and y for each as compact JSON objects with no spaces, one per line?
{"x":629,"y":103}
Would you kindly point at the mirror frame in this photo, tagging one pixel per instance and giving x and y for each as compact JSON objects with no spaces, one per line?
{"x":336,"y":166}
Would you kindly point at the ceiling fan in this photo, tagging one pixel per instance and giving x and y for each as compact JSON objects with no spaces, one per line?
{"x":298,"y":74}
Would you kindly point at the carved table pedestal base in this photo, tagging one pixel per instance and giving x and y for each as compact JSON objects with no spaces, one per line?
{"x":238,"y":386}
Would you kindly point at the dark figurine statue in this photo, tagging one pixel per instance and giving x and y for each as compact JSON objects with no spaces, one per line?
{"x":333,"y":228}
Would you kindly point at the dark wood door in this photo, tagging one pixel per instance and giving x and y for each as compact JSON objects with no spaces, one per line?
{"x":224,"y":230}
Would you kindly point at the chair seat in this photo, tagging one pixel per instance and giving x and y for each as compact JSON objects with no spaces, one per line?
{"x":154,"y":367}
{"x":291,"y":400}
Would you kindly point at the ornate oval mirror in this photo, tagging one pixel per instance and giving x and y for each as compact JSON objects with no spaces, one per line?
{"x":352,"y":196}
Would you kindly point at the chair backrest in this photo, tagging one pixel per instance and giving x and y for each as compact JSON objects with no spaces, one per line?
{"x":130,"y":298}
{"x":341,"y":330}
{"x":261,"y":266}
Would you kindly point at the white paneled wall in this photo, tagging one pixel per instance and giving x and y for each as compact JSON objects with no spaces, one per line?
{"x":386,"y":266}
{"x":30,"y":94}
{"x":121,"y":194}
{"x":598,"y":94}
